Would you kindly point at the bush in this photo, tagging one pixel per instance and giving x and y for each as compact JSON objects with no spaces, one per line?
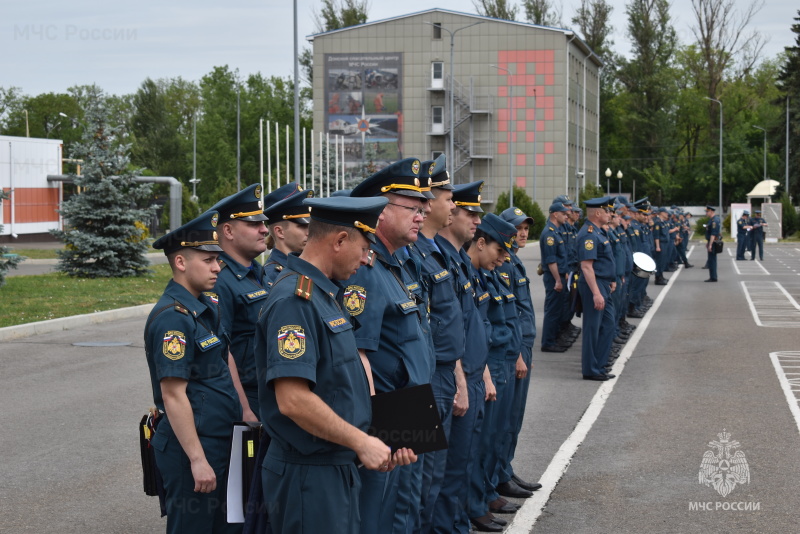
{"x":700,"y":226}
{"x":726,"y":224}
{"x":528,"y":207}
{"x":9,"y":262}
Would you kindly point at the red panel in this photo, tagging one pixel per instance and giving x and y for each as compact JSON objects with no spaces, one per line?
{"x":549,"y":148}
{"x":530,"y":137}
{"x":520,"y":102}
{"x":521,"y":182}
{"x":502,"y":126}
{"x":530,"y":79}
{"x":530,"y":56}
{"x":549,"y":55}
{"x":502,"y":90}
{"x":502,"y":56}
{"x":540,"y":124}
{"x":32,"y":205}
{"x":521,"y":126}
{"x":549,"y":114}
{"x":522,"y":160}
{"x":539,"y":159}
{"x":502,"y":148}
{"x":549,"y":79}
{"x":521,"y":68}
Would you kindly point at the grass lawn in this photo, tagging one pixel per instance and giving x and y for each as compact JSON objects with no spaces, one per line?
{"x":27,"y":299}
{"x":35,"y":253}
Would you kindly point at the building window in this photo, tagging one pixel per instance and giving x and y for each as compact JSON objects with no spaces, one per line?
{"x":437,"y":30}
{"x":437,"y":75}
{"x":436,"y":153}
{"x":437,"y":119}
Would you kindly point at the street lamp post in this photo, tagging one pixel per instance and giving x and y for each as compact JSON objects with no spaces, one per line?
{"x":619,"y":177}
{"x":720,"y":152}
{"x":510,"y":136}
{"x":451,"y":155}
{"x":608,"y":181}
{"x":194,"y":179}
{"x":765,"y":149}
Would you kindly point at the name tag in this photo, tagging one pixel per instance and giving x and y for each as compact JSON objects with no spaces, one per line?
{"x":483,"y":297}
{"x":443,"y":275}
{"x":208,"y":342}
{"x":337,"y":323}
{"x":467,"y":286}
{"x":256,"y":295}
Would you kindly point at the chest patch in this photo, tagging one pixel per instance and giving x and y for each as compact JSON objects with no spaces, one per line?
{"x":174,"y":346}
{"x":355,"y":298}
{"x":208,"y":342}
{"x":291,"y":341}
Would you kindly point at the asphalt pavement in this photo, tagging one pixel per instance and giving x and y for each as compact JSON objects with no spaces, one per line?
{"x":620,"y":456}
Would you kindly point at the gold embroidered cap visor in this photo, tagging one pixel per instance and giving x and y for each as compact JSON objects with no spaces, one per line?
{"x":360,"y":213}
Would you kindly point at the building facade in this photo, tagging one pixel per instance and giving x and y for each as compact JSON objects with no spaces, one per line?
{"x":518,"y":103}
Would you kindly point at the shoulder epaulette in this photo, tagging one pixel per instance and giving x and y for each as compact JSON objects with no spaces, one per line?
{"x":371,"y":257}
{"x":179,"y":308}
{"x":222,"y":264}
{"x":590,"y":229}
{"x":304,"y":287}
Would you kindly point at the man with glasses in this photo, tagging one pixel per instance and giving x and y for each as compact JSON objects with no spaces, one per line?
{"x":389,"y":329}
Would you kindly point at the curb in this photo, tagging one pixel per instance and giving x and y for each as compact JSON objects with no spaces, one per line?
{"x":75,"y":321}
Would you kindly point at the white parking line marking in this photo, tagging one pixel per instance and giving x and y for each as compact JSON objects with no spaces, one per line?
{"x":771,"y":305}
{"x":527,"y":515}
{"x":779,"y":361}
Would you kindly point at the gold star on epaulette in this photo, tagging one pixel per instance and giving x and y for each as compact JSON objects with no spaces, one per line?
{"x":181,"y":309}
{"x":371,"y":258}
{"x":590,"y":229}
{"x":222,"y":264}
{"x":304,"y":287}
{"x":279,"y":267}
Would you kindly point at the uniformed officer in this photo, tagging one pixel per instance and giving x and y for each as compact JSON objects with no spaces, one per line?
{"x":487,"y":250}
{"x":465,"y":432}
{"x":758,"y":224}
{"x":315,"y":396}
{"x":389,"y":332}
{"x":712,"y":234}
{"x":509,"y":483}
{"x":288,"y":230}
{"x":743,"y":228}
{"x":242,"y":236}
{"x":555,"y":268}
{"x":187,"y":353}
{"x":660,"y":245}
{"x":569,"y":232}
{"x":596,"y":285}
{"x":441,"y":279}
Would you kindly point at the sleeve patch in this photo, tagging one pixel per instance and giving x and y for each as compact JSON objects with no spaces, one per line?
{"x":588,"y":244}
{"x":355,"y":298}
{"x":291,"y":341}
{"x":174,"y":346}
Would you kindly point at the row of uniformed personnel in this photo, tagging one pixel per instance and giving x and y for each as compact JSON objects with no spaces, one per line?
{"x":425,"y":309}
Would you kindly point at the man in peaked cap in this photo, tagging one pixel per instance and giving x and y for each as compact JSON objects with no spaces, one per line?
{"x":242,"y":233}
{"x":307,"y":354}
{"x":391,"y":324}
{"x":555,"y":265}
{"x":464,"y":439}
{"x":288,"y":232}
{"x":440,"y":276}
{"x":596,"y":284}
{"x":191,"y":375}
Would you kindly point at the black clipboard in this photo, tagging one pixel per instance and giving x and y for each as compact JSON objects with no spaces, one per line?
{"x":408,"y":418}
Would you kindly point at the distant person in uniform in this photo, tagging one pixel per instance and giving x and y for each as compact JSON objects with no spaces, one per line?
{"x":743,"y":228}
{"x":713,"y":234}
{"x":288,"y":220}
{"x":193,"y":389}
{"x":315,"y":394}
{"x":758,"y":224}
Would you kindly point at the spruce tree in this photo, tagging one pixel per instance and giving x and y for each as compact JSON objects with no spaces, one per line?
{"x":105,"y":223}
{"x":10,"y":262}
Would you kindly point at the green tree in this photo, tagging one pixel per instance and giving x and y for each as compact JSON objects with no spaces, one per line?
{"x":157,"y":145}
{"x":542,"y":12}
{"x":105,"y":224}
{"x":791,"y":222}
{"x":497,"y":9}
{"x":6,"y":262}
{"x":789,"y":83}
{"x":528,"y":207}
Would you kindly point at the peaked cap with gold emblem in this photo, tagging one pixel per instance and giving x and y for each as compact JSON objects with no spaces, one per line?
{"x":199,"y":233}
{"x":246,"y":205}
{"x":404,"y":177}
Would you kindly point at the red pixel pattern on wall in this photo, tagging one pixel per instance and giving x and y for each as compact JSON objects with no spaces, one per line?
{"x":528,"y":72}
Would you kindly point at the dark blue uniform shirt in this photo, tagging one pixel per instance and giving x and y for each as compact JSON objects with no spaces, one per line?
{"x":592,"y":243}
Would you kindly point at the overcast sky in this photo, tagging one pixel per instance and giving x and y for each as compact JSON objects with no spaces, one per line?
{"x":48,"y":45}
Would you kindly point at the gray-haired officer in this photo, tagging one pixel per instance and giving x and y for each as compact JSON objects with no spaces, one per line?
{"x":242,"y":236}
{"x":389,"y":332}
{"x":307,"y":356}
{"x":288,"y":227}
{"x":597,"y":283}
{"x":187,"y":354}
{"x":712,"y":235}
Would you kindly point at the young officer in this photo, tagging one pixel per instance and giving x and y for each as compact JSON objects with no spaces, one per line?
{"x":314,"y":395}
{"x":239,"y":291}
{"x":187,"y":354}
{"x":288,"y":228}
